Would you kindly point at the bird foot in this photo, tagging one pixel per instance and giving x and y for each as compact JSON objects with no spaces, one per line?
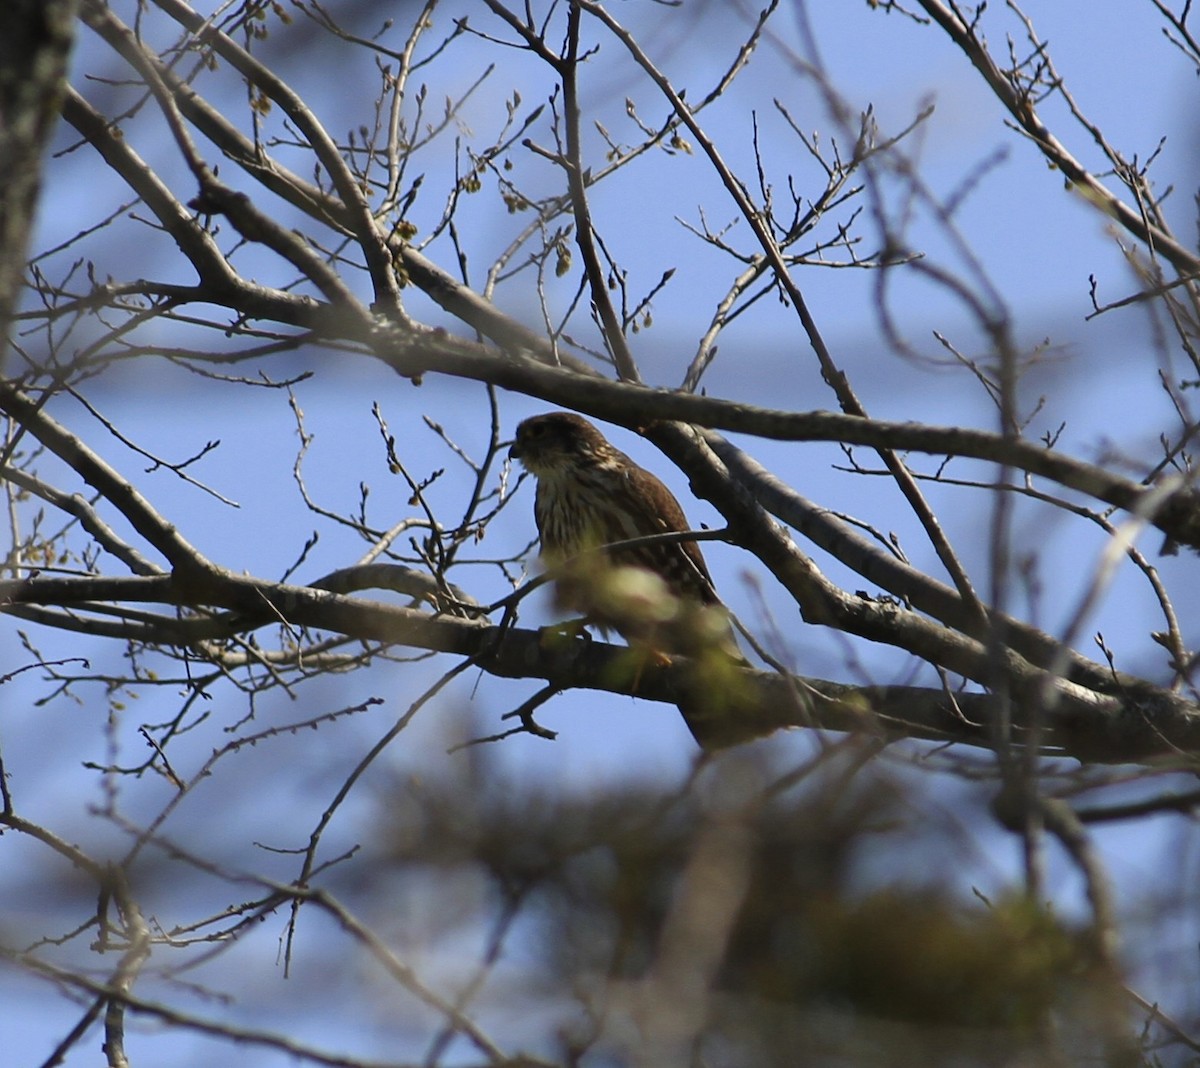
{"x":557,"y":635}
{"x":646,"y":657}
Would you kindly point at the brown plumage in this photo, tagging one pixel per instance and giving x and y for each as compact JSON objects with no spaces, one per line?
{"x":589,"y":494}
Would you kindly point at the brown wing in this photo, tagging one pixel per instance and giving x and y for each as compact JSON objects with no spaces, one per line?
{"x":603,"y":497}
{"x":652,"y":509}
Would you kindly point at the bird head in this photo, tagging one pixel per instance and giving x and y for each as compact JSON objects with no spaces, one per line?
{"x":548,"y":444}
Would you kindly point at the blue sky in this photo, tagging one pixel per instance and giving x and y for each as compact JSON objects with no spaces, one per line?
{"x":1039,"y":244}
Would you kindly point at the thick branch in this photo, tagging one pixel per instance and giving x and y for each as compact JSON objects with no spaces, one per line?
{"x":1172,"y":507}
{"x":106,"y":480}
{"x":374,"y":248}
{"x":898,"y":577}
{"x":1127,"y":728}
{"x":197,"y":245}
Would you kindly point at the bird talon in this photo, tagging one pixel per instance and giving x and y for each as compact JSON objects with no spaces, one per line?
{"x":644,"y":657}
{"x":559,"y":634}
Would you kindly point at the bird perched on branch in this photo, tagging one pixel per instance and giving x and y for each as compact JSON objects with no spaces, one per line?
{"x":659,"y":596}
